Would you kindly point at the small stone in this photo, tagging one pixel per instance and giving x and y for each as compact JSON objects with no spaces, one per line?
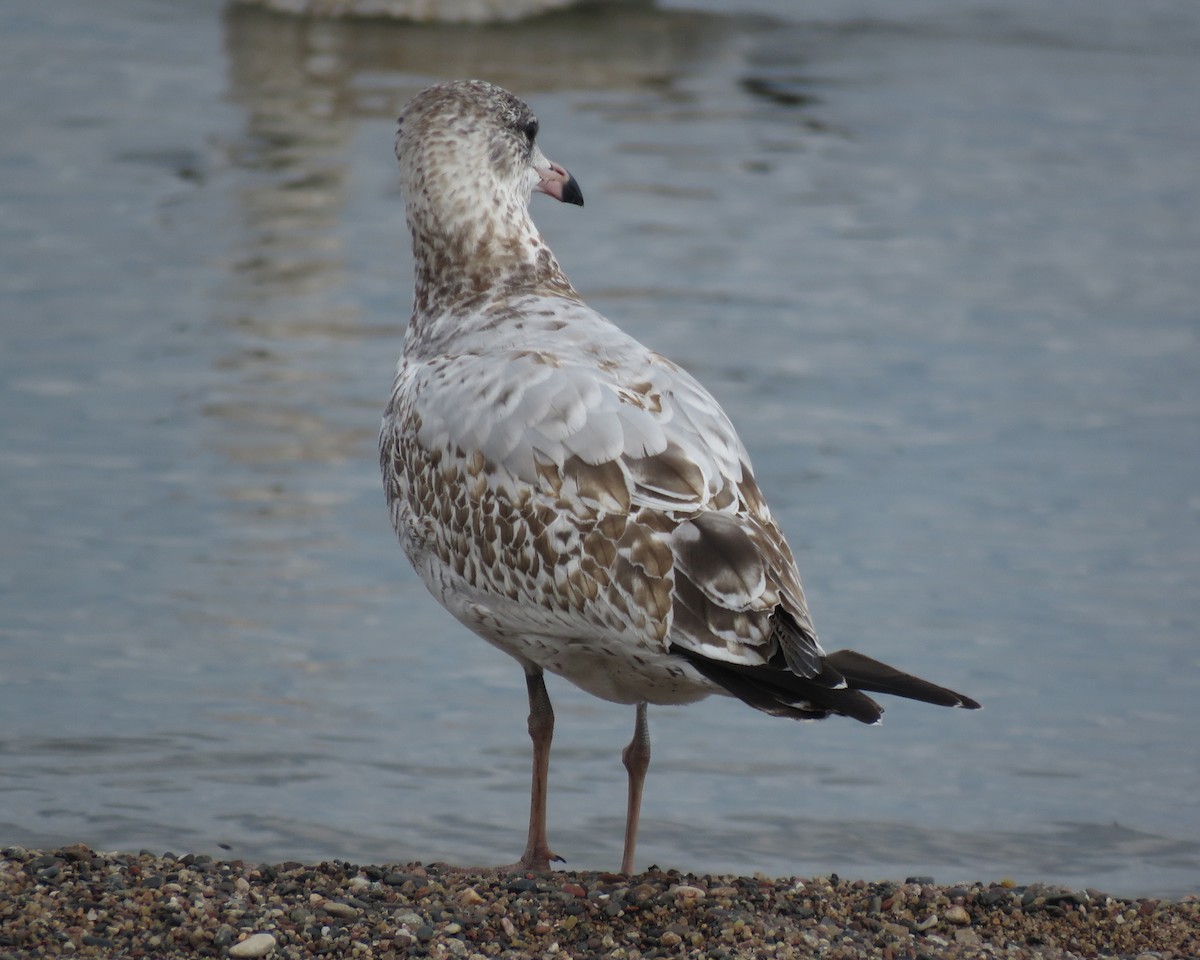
{"x":670,"y":939}
{"x":410,"y":919}
{"x":337,"y":909}
{"x":929,"y":922}
{"x":76,"y":852}
{"x":687,"y":892}
{"x":470,"y":897}
{"x":255,"y":945}
{"x":570,"y":922}
{"x":966,"y":937}
{"x":956,"y":915}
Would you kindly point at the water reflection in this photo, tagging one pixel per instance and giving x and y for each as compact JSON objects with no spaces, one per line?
{"x":355,"y":68}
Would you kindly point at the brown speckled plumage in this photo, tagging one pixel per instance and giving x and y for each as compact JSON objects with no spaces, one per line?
{"x":570,"y":495}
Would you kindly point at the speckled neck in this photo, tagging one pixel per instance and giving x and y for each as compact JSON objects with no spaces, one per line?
{"x":461,"y":268}
{"x":462,"y":278}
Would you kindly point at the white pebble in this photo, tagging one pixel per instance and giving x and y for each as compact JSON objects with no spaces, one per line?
{"x":255,"y":945}
{"x":957,"y":915}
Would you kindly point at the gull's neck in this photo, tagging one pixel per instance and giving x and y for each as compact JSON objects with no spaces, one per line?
{"x":460,"y":267}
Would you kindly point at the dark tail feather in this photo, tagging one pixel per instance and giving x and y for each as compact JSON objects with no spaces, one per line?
{"x":863,"y":673}
{"x":781,"y":693}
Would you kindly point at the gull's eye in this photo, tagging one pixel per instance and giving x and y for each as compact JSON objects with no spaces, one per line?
{"x":530,"y":129}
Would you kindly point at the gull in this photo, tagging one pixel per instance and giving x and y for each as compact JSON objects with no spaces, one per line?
{"x":570,"y":495}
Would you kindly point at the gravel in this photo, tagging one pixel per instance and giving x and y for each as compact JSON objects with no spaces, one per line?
{"x":76,"y":902}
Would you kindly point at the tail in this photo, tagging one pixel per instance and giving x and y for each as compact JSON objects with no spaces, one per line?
{"x":863,"y":673}
{"x":837,"y":689}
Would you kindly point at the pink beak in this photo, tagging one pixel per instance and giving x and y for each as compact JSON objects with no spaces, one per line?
{"x":557,"y":183}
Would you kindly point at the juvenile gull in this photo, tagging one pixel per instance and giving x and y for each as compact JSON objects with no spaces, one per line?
{"x":573,"y":497}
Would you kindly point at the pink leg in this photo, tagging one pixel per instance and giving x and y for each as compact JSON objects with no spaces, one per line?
{"x":537,"y":855}
{"x":636,"y":757}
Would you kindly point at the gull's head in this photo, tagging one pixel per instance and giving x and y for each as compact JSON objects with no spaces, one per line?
{"x":470,"y":161}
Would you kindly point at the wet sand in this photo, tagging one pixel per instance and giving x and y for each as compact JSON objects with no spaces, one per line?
{"x":77,"y":902}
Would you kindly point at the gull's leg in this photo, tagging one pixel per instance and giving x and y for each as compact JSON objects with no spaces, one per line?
{"x":537,"y":855}
{"x":636,"y":757}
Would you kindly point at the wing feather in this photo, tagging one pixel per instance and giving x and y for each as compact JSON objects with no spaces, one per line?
{"x":626,"y":442}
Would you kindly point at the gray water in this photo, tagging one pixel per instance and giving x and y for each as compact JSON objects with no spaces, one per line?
{"x":940,"y":262}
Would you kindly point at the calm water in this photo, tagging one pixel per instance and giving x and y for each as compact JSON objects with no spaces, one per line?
{"x":938,"y":260}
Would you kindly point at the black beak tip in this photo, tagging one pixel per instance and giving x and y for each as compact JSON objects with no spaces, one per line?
{"x":571,"y":192}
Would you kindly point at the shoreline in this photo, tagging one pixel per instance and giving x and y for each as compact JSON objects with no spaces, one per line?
{"x":74,"y":901}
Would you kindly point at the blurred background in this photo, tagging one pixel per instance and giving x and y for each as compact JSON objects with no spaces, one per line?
{"x":938,"y":260}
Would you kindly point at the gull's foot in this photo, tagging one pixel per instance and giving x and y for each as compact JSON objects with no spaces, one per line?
{"x":536,"y":862}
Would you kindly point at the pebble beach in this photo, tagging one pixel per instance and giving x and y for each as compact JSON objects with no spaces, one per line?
{"x":75,"y":901}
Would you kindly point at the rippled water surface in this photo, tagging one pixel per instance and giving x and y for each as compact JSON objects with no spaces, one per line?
{"x":939,"y":262}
